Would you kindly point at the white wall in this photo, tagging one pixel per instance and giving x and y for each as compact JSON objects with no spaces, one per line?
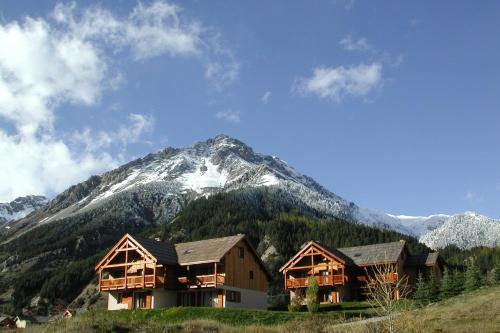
{"x":250,"y":299}
{"x":163,"y":298}
{"x":113,"y":302}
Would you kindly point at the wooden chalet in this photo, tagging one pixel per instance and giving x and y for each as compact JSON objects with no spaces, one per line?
{"x":341,"y":273}
{"x":145,"y":273}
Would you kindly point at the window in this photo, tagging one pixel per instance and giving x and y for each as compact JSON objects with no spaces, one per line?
{"x":241,"y":252}
{"x":233,"y":296}
{"x":251,"y":275}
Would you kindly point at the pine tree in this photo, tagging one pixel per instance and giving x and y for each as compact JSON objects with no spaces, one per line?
{"x":433,"y":287}
{"x":422,"y":293}
{"x":496,"y":273}
{"x":472,"y":277}
{"x":458,"y":282}
{"x":446,"y":290}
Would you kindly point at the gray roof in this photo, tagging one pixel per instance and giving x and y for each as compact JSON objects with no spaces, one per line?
{"x":429,"y":259}
{"x":209,"y":250}
{"x":373,"y":254}
{"x":337,"y":253}
{"x":164,"y":252}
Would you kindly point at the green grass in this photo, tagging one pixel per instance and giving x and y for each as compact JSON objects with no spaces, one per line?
{"x":349,"y":309}
{"x":236,"y":317}
{"x":478,"y":311}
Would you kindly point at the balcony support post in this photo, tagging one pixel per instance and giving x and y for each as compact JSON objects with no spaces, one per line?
{"x":215,"y":274}
{"x":143,"y":275}
{"x":126,"y":265}
{"x":154,"y":276}
{"x":100,"y":279}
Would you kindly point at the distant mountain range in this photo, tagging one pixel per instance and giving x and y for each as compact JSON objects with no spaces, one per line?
{"x":160,"y":185}
{"x":20,"y":207}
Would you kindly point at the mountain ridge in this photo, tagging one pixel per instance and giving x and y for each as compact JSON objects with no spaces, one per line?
{"x":20,"y":207}
{"x":161,"y":184}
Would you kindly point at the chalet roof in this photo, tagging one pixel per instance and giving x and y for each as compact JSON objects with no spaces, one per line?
{"x":337,"y":253}
{"x":209,"y":250}
{"x":164,"y":252}
{"x":429,"y":259}
{"x":373,"y":254}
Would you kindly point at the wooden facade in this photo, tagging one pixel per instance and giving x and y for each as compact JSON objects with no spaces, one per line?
{"x":129,"y":266}
{"x":342,"y":273}
{"x":198,"y":273}
{"x":244,"y":271}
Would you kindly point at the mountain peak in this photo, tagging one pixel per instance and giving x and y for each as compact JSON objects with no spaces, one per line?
{"x":20,"y":207}
{"x":162,"y":184}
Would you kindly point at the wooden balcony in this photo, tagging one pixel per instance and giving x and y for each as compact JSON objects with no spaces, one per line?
{"x":202,"y":281}
{"x":323,"y":280}
{"x":131,"y":282}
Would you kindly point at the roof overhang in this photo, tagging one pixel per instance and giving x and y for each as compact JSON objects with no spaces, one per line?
{"x":117,"y":245}
{"x":304,"y":248}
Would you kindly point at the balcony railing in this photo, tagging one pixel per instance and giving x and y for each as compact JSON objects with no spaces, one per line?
{"x":201,"y":280}
{"x":131,"y":282}
{"x":323,"y":280}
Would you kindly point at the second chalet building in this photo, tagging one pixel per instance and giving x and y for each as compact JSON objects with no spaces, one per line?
{"x":140,"y":273}
{"x":341,"y":273}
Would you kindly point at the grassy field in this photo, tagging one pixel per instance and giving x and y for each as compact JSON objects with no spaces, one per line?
{"x":475,"y":312}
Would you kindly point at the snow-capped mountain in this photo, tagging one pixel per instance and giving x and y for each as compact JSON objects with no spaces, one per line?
{"x":20,"y":207}
{"x":465,"y":230}
{"x":160,"y":185}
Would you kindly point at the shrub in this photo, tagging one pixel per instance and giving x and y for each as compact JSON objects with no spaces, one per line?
{"x":312,"y":300}
{"x":296,"y":303}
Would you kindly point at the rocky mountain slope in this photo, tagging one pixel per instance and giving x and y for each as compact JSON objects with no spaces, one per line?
{"x":20,"y":207}
{"x":160,"y":185}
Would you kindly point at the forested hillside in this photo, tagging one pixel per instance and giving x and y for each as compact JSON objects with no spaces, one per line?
{"x":56,"y":261}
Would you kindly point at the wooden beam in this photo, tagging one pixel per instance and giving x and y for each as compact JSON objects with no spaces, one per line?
{"x":127,"y":248}
{"x":143,"y":275}
{"x":215,"y":274}
{"x":126,"y":261}
{"x":128,"y":264}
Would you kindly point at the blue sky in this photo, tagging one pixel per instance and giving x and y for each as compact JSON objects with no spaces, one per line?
{"x":392,"y":105}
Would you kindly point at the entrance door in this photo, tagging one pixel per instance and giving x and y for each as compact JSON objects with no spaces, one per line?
{"x":142,"y":300}
{"x":335,"y":297}
{"x":220,"y":298}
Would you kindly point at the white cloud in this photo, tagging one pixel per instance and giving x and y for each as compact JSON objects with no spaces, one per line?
{"x":336,"y":83}
{"x":266,"y":97}
{"x":221,"y":66}
{"x":473,"y":197}
{"x":349,"y":44}
{"x":229,"y":116}
{"x":44,"y":165}
{"x":347,"y":4}
{"x":132,"y":132}
{"x":46,"y":63}
{"x":149,"y":30}
{"x":65,"y":69}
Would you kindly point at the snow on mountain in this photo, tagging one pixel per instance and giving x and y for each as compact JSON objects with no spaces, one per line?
{"x":168,"y":180}
{"x":466,"y":230}
{"x":20,"y":207}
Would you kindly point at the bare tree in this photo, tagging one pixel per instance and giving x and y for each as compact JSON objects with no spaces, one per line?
{"x":384,"y":287}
